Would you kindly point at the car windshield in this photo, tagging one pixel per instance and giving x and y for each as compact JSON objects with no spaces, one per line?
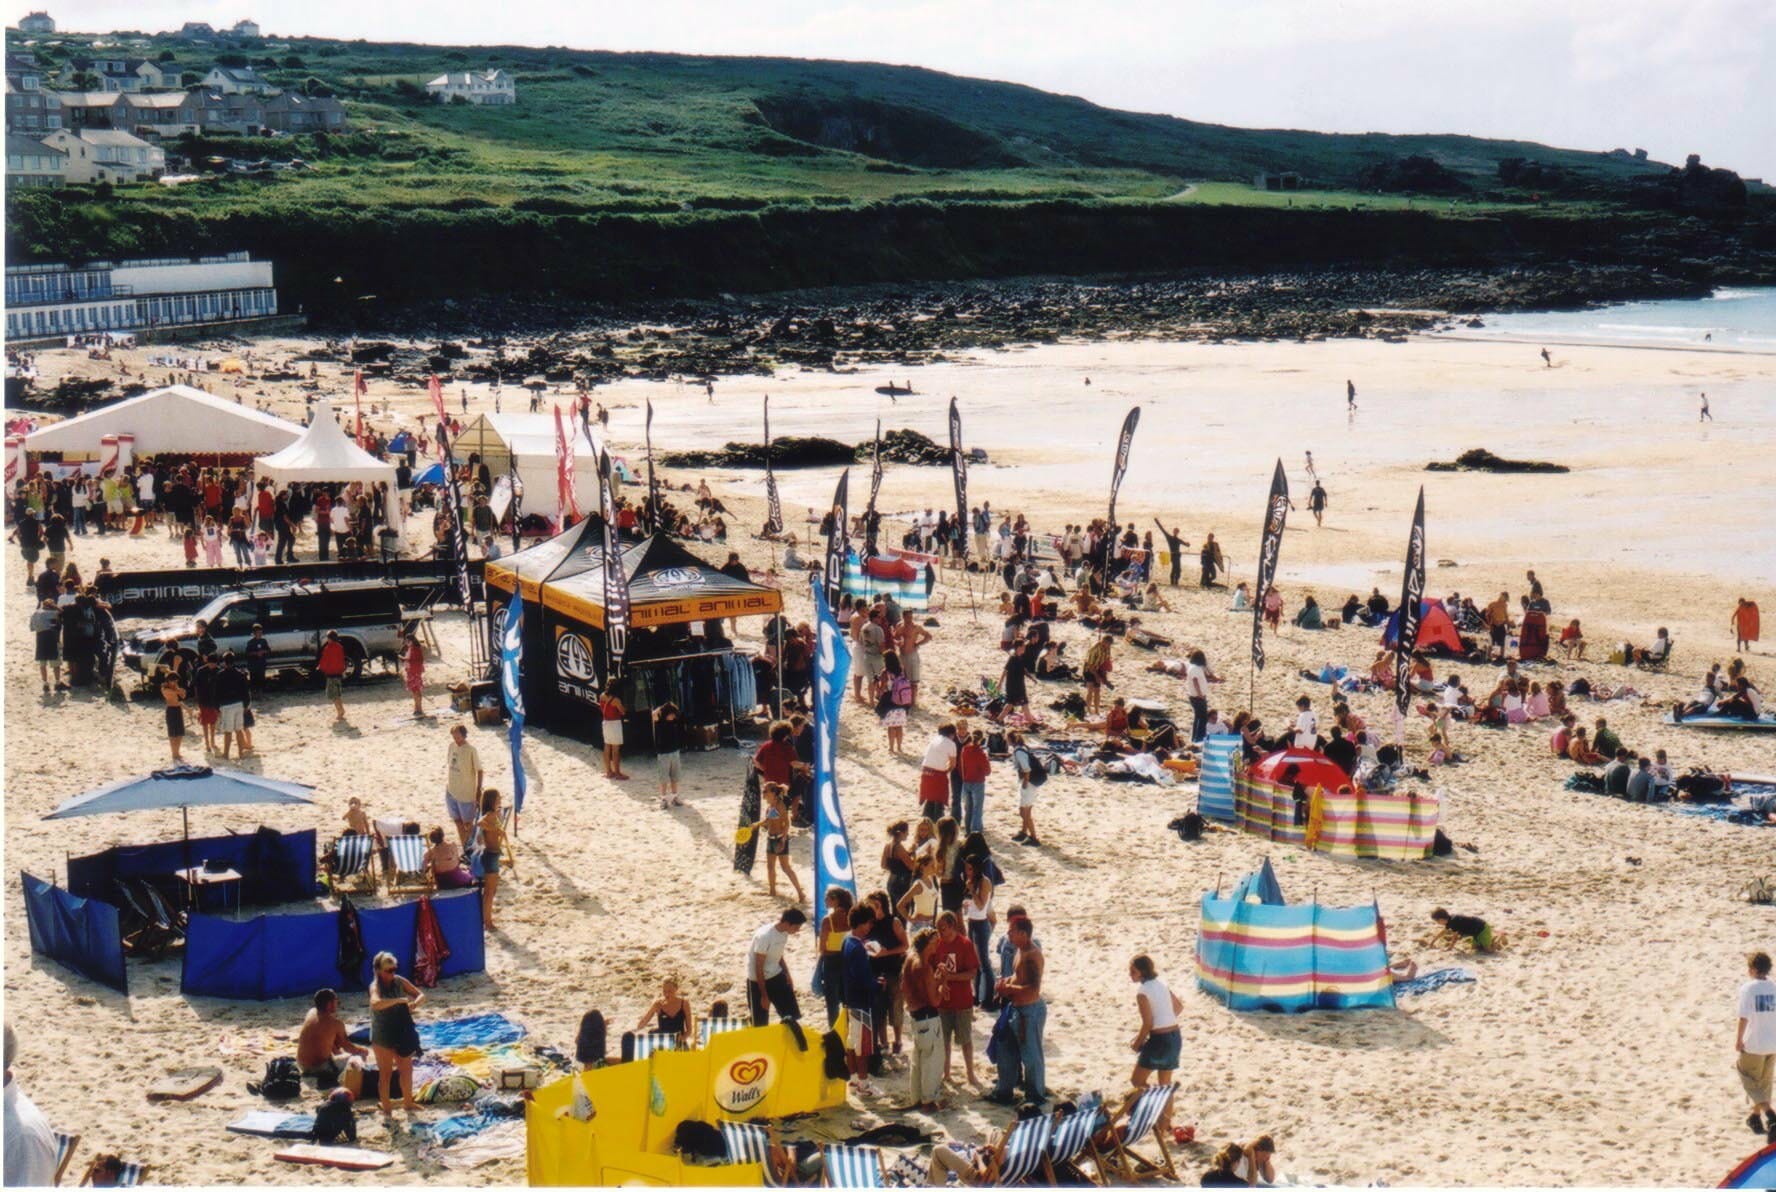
{"x":214,"y":609}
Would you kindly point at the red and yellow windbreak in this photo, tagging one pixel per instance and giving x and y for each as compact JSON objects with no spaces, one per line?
{"x":1390,"y":826}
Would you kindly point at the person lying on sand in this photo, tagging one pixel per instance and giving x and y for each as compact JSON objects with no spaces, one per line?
{"x":1472,"y":928}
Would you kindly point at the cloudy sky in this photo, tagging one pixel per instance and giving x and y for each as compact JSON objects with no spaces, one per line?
{"x":1672,"y":76}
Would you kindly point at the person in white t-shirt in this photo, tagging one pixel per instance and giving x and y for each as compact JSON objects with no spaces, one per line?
{"x":30,"y":1144}
{"x":941,"y":754}
{"x":768,"y":983}
{"x":1756,"y":1042}
{"x":1307,"y":725}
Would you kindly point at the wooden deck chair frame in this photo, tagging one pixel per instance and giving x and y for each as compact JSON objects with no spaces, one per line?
{"x":751,"y":1142}
{"x":166,"y":914}
{"x":874,"y":1154}
{"x":130,"y":1176}
{"x":1057,"y":1161}
{"x":407,"y":881}
{"x":1120,"y":1163}
{"x":361,"y":880}
{"x":508,"y":855}
{"x":66,"y":1145}
{"x":1043,"y":1127}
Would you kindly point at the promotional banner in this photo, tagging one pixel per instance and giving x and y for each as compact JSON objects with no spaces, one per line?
{"x":774,"y":510}
{"x":870,"y":521}
{"x":838,"y":539}
{"x":565,"y":500}
{"x":653,"y":485}
{"x":435,"y":390}
{"x":616,"y":583}
{"x":1122,"y":460}
{"x":459,"y":538}
{"x":511,"y":657}
{"x":1276,"y":512}
{"x":1412,"y":590}
{"x":960,"y":463}
{"x":832,"y":669}
{"x":358,"y":390}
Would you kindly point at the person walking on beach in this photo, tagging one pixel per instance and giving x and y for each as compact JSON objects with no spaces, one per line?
{"x":1745,"y":625}
{"x":1158,"y":1045}
{"x":1755,"y":1041}
{"x":1310,"y":467}
{"x":1211,"y":560}
{"x":1316,"y":502}
{"x":1704,"y":415}
{"x":1175,"y":545}
{"x":768,"y":983}
{"x":1350,"y":395}
{"x":331,"y":665}
{"x":462,"y":782}
{"x":1547,"y":360}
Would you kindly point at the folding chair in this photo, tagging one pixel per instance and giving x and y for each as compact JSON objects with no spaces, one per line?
{"x":1021,"y":1152}
{"x":1072,"y":1135}
{"x":719,"y":1026}
{"x":65,"y":1145}
{"x":406,"y":871}
{"x":131,"y":1175}
{"x":747,"y":1142}
{"x":165,"y":913}
{"x":648,"y":1042}
{"x":146,"y":936}
{"x":1140,"y":1111}
{"x":352,"y":871}
{"x":851,"y":1166}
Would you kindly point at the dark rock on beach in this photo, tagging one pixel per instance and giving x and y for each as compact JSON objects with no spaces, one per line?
{"x":1481,"y":460}
{"x":898,"y":446}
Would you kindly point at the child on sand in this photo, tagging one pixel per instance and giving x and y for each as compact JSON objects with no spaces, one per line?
{"x":1469,"y":927}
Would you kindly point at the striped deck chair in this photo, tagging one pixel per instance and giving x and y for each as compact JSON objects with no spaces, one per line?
{"x":648,"y":1042}
{"x":747,"y":1142}
{"x":168,"y":914}
{"x":1142,"y":1109}
{"x":1073,"y":1134}
{"x":720,"y":1026}
{"x":1022,"y":1152}
{"x":352,"y":871}
{"x":65,"y":1145}
{"x":407,"y":872}
{"x":131,"y":1175}
{"x":851,"y":1166}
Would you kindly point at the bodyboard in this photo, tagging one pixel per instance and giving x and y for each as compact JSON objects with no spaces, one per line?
{"x":351,"y":1158}
{"x":185,"y":1084}
{"x":746,"y":842}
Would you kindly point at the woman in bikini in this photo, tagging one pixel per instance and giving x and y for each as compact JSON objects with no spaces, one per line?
{"x":493,"y":846}
{"x":776,"y":826}
{"x":671,"y":1013}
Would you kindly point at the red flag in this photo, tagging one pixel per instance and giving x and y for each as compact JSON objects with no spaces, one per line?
{"x":435,"y":388}
{"x":565,"y":501}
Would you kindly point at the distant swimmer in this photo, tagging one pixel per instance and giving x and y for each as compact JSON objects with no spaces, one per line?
{"x":1310,"y":467}
{"x":1708,"y":337}
{"x":1705,"y":416}
{"x":1350,"y":395}
{"x":1547,"y":360}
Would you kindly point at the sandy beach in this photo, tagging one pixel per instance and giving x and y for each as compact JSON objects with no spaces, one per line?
{"x":1596,"y":1049}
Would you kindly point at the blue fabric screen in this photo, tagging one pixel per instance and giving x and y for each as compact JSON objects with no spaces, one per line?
{"x":278,"y":956}
{"x":81,"y":933}
{"x":274,"y":867}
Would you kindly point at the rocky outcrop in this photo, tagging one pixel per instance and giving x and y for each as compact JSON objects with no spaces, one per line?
{"x":1481,"y":460}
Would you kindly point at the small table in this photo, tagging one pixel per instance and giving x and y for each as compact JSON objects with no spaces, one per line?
{"x":197,"y":877}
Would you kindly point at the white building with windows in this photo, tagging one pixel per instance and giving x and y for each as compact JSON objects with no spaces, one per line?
{"x":237,"y":80}
{"x":29,"y":162}
{"x":245,"y":28}
{"x":476,"y":86}
{"x":44,"y":301}
{"x":107,"y":155}
{"x":37,"y":22}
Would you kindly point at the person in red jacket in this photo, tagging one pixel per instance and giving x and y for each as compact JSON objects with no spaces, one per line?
{"x":331,"y":664}
{"x":974,"y":768}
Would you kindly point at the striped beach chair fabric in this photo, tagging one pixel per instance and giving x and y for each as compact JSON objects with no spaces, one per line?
{"x":720,"y":1026}
{"x":1141,"y":1113}
{"x":852,"y":1166}
{"x":130,"y":1176}
{"x":351,"y":863}
{"x":65,"y":1144}
{"x":648,"y":1042}
{"x":1214,"y":799}
{"x":747,"y":1142}
{"x":1023,"y":1152}
{"x":407,"y":865}
{"x":1074,"y":1130}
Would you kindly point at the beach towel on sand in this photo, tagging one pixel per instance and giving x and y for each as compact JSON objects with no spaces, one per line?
{"x":1434,"y":980}
{"x":474,"y":1030}
{"x":269,"y":1123}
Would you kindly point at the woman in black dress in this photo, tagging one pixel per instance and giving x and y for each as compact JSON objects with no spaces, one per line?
{"x":394,"y":1039}
{"x":46,"y":623}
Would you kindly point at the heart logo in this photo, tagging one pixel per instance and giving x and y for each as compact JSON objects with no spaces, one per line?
{"x":748,"y":1071}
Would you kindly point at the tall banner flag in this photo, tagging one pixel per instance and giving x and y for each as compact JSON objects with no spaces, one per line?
{"x":838,"y":539}
{"x":1122,"y":460}
{"x":774,"y":506}
{"x":565,"y":500}
{"x":832,"y":667}
{"x":459,"y":536}
{"x":1276,"y":512}
{"x":653,"y":485}
{"x":511,"y":659}
{"x":616,"y":581}
{"x":959,"y":463}
{"x":871,"y":523}
{"x":435,"y":389}
{"x":1412,"y":590}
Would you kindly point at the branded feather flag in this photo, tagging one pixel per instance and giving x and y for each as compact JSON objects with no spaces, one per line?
{"x":1122,"y":460}
{"x":959,"y":465}
{"x":565,"y":500}
{"x":838,"y":540}
{"x":653,"y":485}
{"x":459,"y":537}
{"x":774,"y":506}
{"x":435,"y":389}
{"x":871,"y":521}
{"x":511,"y":660}
{"x":1276,"y":513}
{"x":358,"y":391}
{"x":1411,"y":606}
{"x":832,"y":664}
{"x":616,"y":581}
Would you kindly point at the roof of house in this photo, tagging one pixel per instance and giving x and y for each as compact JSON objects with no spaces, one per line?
{"x":240,"y":74}
{"x":87,"y":99}
{"x":462,"y":78}
{"x":155,"y":99}
{"x":111,"y":136}
{"x":17,"y":145}
{"x":295,"y":99}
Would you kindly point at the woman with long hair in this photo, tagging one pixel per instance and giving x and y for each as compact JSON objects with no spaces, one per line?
{"x":1158,"y":1045}
{"x":1096,"y":672}
{"x":394,"y":1039}
{"x":977,"y":914}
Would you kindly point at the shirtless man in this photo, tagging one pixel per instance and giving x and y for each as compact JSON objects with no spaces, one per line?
{"x":323,"y":1050}
{"x":1023,"y":990}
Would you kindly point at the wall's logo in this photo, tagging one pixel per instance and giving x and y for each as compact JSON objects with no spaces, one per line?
{"x":676,"y":577}
{"x":573,"y":658}
{"x":744,"y":1083}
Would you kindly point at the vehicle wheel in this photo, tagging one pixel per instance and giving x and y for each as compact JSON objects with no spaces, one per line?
{"x":355,"y":659}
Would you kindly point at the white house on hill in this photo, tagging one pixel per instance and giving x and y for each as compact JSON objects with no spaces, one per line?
{"x":245,"y":28}
{"x":237,"y":80}
{"x":476,"y":86}
{"x":37,"y":22}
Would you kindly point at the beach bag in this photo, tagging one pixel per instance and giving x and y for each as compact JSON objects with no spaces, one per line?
{"x":901,"y":689}
{"x":699,"y":1140}
{"x":1441,"y":845}
{"x":1036,"y":774}
{"x":283,"y":1080}
{"x":1188,"y":826}
{"x":885,"y":703}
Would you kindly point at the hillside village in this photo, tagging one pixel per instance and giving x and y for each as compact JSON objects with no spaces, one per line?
{"x":105,"y":113}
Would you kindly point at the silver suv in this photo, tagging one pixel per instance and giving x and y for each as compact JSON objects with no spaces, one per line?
{"x":296,"y":618}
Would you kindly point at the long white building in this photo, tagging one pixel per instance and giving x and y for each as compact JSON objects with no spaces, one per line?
{"x":54,"y":300}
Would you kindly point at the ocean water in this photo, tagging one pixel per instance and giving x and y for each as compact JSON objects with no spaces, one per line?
{"x":1739,"y":318}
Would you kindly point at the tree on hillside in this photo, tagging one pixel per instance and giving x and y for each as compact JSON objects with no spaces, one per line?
{"x":314,"y":88}
{"x":231,"y":60}
{"x":164,"y":56}
{"x":86,"y":80}
{"x":294,"y":62}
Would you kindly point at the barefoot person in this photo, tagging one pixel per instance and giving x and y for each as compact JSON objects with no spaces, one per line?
{"x":1158,"y":1045}
{"x":954,"y":964}
{"x":331,"y":665}
{"x":394,"y":1039}
{"x":493,"y":845}
{"x":776,"y":826}
{"x":611,"y":712}
{"x":1755,"y":1041}
{"x":462,"y":782}
{"x":323,"y":1050}
{"x":918,"y":991}
{"x":1469,"y":927}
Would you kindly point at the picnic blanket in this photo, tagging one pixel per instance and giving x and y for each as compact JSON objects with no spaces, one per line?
{"x":1434,"y":980}
{"x":500,"y":1140}
{"x":450,"y":1034}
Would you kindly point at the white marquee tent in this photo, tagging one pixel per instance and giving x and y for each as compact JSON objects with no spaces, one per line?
{"x":530,"y":439}
{"x":324,"y":455}
{"x":177,"y":420}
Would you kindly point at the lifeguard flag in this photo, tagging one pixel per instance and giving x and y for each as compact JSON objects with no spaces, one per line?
{"x":1412,"y":590}
{"x":774,"y":506}
{"x":959,"y":463}
{"x":1276,"y":512}
{"x":838,"y":541}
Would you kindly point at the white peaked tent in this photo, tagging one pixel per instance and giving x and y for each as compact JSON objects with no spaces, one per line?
{"x":324,"y":455}
{"x":177,"y":420}
{"x":525,"y":443}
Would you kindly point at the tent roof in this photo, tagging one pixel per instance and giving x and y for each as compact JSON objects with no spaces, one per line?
{"x":324,"y":453}
{"x":177,"y":420}
{"x":184,"y":786}
{"x":668,"y":585}
{"x":521,"y":435}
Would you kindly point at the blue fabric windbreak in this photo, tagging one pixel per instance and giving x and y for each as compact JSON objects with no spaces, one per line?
{"x":278,"y":956}
{"x":81,"y":933}
{"x":274,"y":867}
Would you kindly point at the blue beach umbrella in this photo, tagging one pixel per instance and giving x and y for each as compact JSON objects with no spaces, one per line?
{"x":183,"y":787}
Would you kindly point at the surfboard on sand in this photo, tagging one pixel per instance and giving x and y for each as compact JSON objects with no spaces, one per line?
{"x":746,"y":836}
{"x":349,"y":1157}
{"x":184,"y":1084}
